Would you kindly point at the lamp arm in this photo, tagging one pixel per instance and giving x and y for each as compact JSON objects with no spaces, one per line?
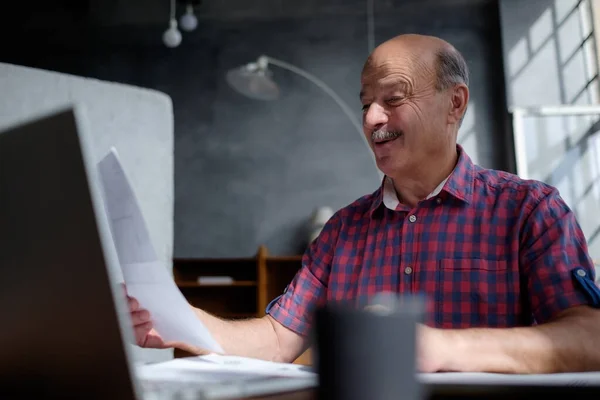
{"x":323,"y":86}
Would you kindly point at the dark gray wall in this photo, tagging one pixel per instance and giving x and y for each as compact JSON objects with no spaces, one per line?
{"x":249,"y":172}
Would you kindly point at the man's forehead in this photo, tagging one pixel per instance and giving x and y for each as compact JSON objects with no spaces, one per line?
{"x":387,"y":76}
{"x":385,"y":83}
{"x":394,"y":70}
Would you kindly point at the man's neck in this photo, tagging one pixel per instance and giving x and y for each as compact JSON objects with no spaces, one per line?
{"x":421,"y":182}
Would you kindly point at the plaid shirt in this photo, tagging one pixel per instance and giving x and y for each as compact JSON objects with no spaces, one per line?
{"x":487,"y":249}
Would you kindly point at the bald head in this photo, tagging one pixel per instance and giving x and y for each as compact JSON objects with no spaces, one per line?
{"x":418,"y":43}
{"x":429,"y":56}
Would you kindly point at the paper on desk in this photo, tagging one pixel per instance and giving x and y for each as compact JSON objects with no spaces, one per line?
{"x":483,"y":378}
{"x":222,"y":365}
{"x":145,"y":275}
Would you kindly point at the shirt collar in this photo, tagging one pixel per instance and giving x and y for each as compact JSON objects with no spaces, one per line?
{"x":390,"y":197}
{"x":458,"y":184}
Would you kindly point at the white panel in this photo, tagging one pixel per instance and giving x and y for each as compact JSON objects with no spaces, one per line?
{"x":137,"y":121}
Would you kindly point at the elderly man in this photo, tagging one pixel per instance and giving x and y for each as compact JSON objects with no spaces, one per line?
{"x":503,"y":260}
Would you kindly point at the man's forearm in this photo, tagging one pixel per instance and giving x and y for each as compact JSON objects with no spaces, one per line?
{"x":567,"y":344}
{"x":254,"y":337}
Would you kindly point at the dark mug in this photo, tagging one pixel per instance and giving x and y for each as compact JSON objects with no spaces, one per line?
{"x":370,"y":353}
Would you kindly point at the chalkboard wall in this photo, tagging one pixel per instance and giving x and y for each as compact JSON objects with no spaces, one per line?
{"x":249,"y":172}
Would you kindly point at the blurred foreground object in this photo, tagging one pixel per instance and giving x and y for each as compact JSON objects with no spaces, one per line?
{"x":368,"y":354}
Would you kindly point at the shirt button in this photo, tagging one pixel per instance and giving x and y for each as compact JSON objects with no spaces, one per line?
{"x":408,"y":270}
{"x":412,"y":218}
{"x":581,"y":272}
{"x":439,"y":201}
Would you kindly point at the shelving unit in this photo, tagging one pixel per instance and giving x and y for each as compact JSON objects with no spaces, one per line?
{"x":254,"y":282}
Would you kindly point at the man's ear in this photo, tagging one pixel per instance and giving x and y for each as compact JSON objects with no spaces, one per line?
{"x":458,"y":103}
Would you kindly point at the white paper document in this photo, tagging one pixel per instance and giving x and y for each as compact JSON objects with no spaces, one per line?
{"x":227,"y":377}
{"x":145,"y":275}
{"x":217,"y":367}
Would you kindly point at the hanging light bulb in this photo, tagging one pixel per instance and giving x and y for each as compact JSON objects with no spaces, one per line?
{"x":188,"y":21}
{"x":172,"y":36}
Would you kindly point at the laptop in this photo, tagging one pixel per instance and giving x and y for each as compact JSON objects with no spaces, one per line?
{"x":65,"y":329}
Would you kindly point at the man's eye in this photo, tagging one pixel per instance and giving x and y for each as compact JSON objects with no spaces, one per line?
{"x":365,"y":107}
{"x":395,"y":99}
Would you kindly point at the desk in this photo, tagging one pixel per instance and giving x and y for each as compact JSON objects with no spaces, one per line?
{"x":475,"y":393}
{"x":308,"y":394}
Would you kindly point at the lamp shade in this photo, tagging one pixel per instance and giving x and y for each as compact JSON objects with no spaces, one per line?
{"x":253,"y":82}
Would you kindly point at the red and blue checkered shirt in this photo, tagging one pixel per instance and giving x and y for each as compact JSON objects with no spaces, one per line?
{"x":488,"y":250}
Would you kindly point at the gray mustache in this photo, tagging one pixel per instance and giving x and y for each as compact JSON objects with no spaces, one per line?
{"x":384,"y":135}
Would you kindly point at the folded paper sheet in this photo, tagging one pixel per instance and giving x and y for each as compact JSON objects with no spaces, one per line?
{"x":145,"y":275}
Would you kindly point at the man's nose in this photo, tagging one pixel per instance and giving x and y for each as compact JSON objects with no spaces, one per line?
{"x":374,"y":117}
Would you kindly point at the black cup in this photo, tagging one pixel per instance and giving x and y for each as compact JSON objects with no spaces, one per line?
{"x":368,"y":354}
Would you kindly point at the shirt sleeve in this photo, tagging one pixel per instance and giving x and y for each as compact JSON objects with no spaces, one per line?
{"x":553,"y":251}
{"x":308,"y":290}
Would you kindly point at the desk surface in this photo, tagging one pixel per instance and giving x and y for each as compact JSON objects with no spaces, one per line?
{"x":497,"y":393}
{"x":307,"y":394}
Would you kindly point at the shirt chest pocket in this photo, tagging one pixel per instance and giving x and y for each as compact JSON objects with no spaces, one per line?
{"x":475,"y":293}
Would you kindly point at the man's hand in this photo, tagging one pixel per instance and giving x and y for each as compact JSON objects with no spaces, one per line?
{"x":145,"y":334}
{"x":432,"y":349}
{"x":564,"y":344}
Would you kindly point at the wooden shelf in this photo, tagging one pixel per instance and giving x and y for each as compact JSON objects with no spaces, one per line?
{"x":291,"y":259}
{"x":256,"y":281}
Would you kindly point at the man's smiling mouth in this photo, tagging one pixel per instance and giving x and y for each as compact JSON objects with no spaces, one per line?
{"x":381,"y":137}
